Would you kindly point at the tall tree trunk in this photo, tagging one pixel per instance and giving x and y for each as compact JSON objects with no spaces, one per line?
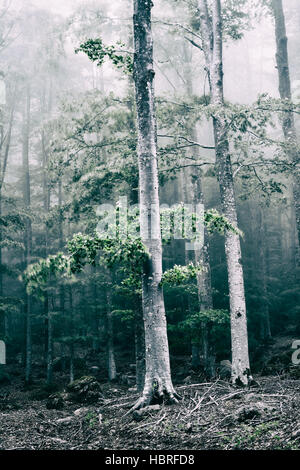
{"x":212,"y":44}
{"x":187,"y":190}
{"x":47,"y":109}
{"x":7,"y":142}
{"x":28,"y":230}
{"x":288,"y":122}
{"x":158,"y":382}
{"x":47,"y":308}
{"x":204,"y":289}
{"x":61,"y":287}
{"x":2,"y":318}
{"x":202,"y":255}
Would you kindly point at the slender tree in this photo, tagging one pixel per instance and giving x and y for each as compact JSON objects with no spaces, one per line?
{"x":288,"y":122}
{"x":211,"y":30}
{"x":5,"y":143}
{"x":195,"y":176}
{"x":111,"y":362}
{"x":28,"y":229}
{"x":158,"y":382}
{"x":204,"y":286}
{"x":62,"y":297}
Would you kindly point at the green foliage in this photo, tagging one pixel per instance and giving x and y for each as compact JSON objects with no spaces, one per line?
{"x":188,"y":224}
{"x":181,"y":274}
{"x":97,"y":51}
{"x":91,"y":418}
{"x":124,"y":315}
{"x":37,"y":275}
{"x":215,"y":222}
{"x":217,"y":322}
{"x":236,"y":18}
{"x":93,"y":148}
{"x":215,"y":316}
{"x":128,"y":253}
{"x":9,"y":305}
{"x":82,"y":250}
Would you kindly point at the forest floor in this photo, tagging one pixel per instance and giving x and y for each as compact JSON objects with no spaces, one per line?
{"x":211,"y":415}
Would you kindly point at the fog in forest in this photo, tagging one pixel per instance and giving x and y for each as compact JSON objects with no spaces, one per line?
{"x":208,"y":117}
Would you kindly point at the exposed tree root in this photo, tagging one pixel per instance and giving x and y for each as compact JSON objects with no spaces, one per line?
{"x":157,"y":391}
{"x":243,"y":379}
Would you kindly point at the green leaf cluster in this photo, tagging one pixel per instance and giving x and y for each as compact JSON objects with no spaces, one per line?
{"x":97,"y":51}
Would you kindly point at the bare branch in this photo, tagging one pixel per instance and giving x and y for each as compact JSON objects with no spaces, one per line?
{"x":192,"y":142}
{"x":178,"y":25}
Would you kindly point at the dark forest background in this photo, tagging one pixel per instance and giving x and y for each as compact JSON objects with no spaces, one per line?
{"x":68,"y":144}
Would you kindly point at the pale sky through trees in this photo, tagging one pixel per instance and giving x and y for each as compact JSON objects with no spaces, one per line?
{"x":60,"y":7}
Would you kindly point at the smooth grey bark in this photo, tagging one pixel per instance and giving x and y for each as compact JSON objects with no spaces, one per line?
{"x":204,"y":289}
{"x":287,"y":118}
{"x":211,"y":30}
{"x":158,"y":382}
{"x":28,"y":229}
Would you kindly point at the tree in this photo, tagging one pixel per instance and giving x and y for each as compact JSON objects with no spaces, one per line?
{"x":158,"y":382}
{"x":111,"y":363}
{"x":28,"y":229}
{"x":204,"y":286}
{"x":5,"y":143}
{"x":201,"y":255}
{"x":288,"y":122}
{"x":6,"y":24}
{"x":211,"y":31}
